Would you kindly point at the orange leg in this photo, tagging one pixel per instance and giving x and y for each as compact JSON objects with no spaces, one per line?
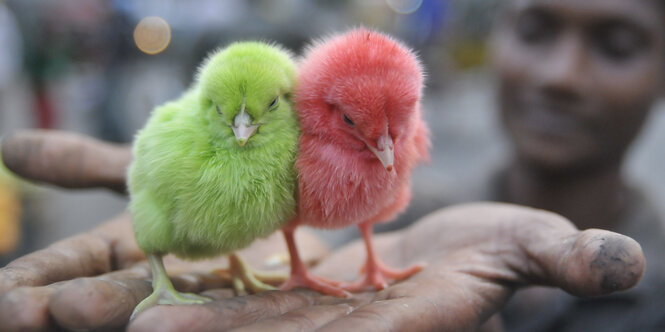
{"x":376,"y":272}
{"x":300,"y":276}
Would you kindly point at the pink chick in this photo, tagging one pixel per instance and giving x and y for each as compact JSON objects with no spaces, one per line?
{"x":358,"y":99}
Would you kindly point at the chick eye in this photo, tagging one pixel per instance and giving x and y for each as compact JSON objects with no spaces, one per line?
{"x":218,"y":110}
{"x":348,"y":121}
{"x":273,"y":104}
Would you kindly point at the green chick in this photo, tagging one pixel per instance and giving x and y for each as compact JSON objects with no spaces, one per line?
{"x":214,"y":169}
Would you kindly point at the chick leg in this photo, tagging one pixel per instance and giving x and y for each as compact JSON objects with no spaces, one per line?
{"x":300,"y":276}
{"x":376,"y":272}
{"x":243,"y":276}
{"x":163,"y":291}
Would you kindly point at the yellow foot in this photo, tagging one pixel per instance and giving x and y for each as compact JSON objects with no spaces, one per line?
{"x":244,"y":278}
{"x":168,"y":297}
{"x":163,"y":291}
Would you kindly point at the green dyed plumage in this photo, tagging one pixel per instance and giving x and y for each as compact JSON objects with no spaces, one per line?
{"x":195,"y":191}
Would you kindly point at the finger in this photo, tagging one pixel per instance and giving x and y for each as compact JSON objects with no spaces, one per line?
{"x":225,"y":314}
{"x":107,"y":301}
{"x":26,"y":309}
{"x":196,"y":282}
{"x":93,"y":253}
{"x":65,"y":159}
{"x":41,"y":308}
{"x":104,"y":302}
{"x":77,"y":256}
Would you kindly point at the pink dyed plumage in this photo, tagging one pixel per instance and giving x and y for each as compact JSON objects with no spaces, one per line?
{"x":357,"y":92}
{"x":377,"y":83}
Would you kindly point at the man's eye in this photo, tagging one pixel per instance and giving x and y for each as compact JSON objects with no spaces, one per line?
{"x":534,"y":27}
{"x":273,"y":104}
{"x":617,"y":41}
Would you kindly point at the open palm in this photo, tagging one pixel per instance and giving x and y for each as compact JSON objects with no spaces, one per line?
{"x":477,"y":255}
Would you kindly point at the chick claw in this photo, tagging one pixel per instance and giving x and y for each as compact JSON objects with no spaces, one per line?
{"x":162,"y":289}
{"x":169,"y":297}
{"x":377,"y":273}
{"x":244,"y":278}
{"x":319,"y":284}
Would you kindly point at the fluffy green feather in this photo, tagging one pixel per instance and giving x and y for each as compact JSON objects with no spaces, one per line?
{"x":195,"y":191}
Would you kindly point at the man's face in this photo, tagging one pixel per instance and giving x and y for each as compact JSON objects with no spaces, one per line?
{"x":577,"y":78}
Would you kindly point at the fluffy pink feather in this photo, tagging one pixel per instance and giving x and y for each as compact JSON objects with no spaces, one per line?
{"x":376,"y":82}
{"x":357,"y":92}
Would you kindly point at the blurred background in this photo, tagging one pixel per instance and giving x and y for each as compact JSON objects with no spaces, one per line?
{"x":99,"y":67}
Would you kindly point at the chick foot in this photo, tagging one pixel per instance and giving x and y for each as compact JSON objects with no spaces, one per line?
{"x":377,"y":275}
{"x":300,"y":276}
{"x":163,"y":291}
{"x":376,"y":272}
{"x":168,"y":297}
{"x":244,"y":278}
{"x":319,"y":284}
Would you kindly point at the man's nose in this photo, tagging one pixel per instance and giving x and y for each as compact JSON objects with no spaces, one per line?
{"x":566,"y":68}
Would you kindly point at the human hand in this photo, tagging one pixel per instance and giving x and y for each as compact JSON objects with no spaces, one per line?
{"x":477,"y":256}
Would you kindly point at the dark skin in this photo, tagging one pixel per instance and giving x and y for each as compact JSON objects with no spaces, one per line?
{"x":477,"y":255}
{"x":577,"y":80}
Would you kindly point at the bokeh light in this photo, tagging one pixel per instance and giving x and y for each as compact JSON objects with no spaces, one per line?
{"x":404,"y":6}
{"x":152,"y":35}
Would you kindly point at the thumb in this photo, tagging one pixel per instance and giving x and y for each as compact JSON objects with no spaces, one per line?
{"x":589,"y":263}
{"x":532,"y":247}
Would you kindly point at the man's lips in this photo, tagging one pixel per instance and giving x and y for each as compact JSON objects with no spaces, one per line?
{"x":549,"y":117}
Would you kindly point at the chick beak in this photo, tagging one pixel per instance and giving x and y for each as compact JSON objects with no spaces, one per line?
{"x":384,"y":151}
{"x":243,"y":128}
